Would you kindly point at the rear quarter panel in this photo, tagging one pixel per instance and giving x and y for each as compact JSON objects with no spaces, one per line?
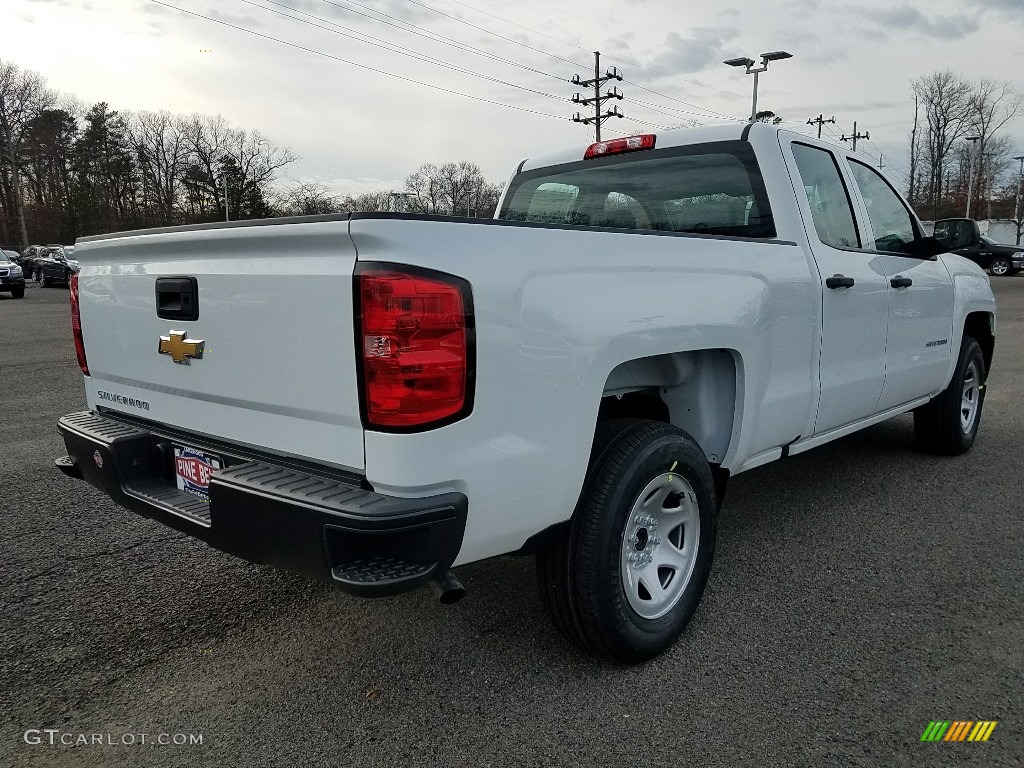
{"x":557,"y":309}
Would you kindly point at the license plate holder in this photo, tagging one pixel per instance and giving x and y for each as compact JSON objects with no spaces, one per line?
{"x":192,"y":470}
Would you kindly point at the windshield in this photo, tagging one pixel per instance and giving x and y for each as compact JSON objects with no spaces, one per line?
{"x":713,"y":189}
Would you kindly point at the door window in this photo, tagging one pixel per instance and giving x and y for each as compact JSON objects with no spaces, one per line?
{"x":827,"y":197}
{"x":890,"y":220}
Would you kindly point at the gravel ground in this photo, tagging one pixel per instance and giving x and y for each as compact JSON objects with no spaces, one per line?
{"x":859,"y":592}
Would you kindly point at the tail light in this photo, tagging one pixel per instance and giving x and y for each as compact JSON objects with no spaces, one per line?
{"x":76,"y":325}
{"x":415,"y":347}
{"x":618,"y":146}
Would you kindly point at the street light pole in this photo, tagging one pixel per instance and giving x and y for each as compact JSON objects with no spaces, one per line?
{"x":748,"y":63}
{"x":1016,"y":204}
{"x":970,"y":175}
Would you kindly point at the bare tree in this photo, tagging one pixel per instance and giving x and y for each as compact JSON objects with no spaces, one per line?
{"x":23,"y":95}
{"x":450,"y":189}
{"x":947,"y":102}
{"x":246,"y":161}
{"x":160,"y":142}
{"x":305,"y":198}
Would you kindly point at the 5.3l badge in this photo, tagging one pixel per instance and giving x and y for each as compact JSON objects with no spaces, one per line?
{"x":181,"y":349}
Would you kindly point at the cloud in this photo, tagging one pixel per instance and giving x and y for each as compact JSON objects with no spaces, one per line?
{"x":702,"y":47}
{"x":907,"y":17}
{"x":998,"y":5}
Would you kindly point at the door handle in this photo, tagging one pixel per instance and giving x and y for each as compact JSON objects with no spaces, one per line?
{"x":901,"y":282}
{"x":839,"y":281}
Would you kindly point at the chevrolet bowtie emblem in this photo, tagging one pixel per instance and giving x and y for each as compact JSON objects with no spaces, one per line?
{"x":179,"y":348}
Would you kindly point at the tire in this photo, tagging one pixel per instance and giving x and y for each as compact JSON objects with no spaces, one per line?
{"x":1000,"y":266}
{"x":626,"y":579}
{"x":948,"y":425}
{"x":18,"y":293}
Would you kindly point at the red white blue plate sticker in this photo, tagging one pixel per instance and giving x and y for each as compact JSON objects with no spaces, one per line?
{"x":192,"y":470}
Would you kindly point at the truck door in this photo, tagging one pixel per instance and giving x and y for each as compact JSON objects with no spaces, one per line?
{"x":920,"y":335}
{"x":854,"y":300}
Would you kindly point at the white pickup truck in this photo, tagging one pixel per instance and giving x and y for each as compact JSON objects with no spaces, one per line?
{"x":372,"y":399}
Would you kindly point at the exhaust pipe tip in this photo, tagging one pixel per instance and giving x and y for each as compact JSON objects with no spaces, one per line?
{"x":447,"y":587}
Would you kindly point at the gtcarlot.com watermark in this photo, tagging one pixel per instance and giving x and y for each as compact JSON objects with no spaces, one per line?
{"x":55,"y":737}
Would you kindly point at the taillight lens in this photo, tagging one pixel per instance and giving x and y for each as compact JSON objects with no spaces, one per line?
{"x":415,"y":346}
{"x":618,"y":146}
{"x":76,"y":326}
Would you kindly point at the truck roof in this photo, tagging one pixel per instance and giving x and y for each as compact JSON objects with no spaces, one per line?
{"x":666,"y":138}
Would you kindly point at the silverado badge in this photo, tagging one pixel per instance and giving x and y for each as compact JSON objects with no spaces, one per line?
{"x":179,"y":348}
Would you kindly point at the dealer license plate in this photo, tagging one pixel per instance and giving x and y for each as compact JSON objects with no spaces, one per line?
{"x":192,"y":470}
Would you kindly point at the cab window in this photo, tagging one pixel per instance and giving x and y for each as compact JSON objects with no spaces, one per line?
{"x":827,"y":197}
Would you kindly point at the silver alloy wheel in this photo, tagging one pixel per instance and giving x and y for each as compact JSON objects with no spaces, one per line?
{"x":999,"y":267}
{"x":659,"y":545}
{"x":969,"y":397}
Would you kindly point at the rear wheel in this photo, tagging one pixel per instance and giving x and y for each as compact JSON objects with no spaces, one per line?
{"x":628,"y":576}
{"x":1000,"y":266}
{"x":949,"y":423}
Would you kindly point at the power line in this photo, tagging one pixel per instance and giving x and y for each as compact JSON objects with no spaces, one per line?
{"x":563,"y":42}
{"x":436,"y":37}
{"x":495,"y":34}
{"x":576,"y":45}
{"x":711,"y":113}
{"x":377,"y":42}
{"x":355,"y":63}
{"x":676,"y":111}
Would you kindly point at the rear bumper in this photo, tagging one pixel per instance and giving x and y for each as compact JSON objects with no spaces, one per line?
{"x":314,"y":523}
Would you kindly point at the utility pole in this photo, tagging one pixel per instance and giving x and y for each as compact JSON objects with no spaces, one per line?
{"x":881,"y":165}
{"x":820,"y":120}
{"x":855,"y":136}
{"x":911,"y":197}
{"x":989,"y":183}
{"x":224,"y":176}
{"x":1016,"y":205}
{"x":970,"y":173}
{"x":597,"y":100}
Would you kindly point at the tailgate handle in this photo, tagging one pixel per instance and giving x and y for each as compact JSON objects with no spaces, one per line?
{"x":177,"y":298}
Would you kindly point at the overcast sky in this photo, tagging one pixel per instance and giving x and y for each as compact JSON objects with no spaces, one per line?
{"x":359,"y":129}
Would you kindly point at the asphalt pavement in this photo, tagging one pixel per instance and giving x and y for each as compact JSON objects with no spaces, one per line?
{"x":860,"y":591}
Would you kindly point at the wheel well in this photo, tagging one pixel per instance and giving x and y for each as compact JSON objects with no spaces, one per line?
{"x":979,"y":326}
{"x":695,"y":390}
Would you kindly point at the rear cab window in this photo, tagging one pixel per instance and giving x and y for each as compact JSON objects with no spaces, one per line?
{"x":711,"y":189}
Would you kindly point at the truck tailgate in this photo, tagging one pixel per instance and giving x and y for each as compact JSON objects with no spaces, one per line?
{"x":276,"y":369}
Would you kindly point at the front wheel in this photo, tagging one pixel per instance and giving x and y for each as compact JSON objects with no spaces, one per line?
{"x":1000,"y":266}
{"x":949,"y":423}
{"x":627,"y":578}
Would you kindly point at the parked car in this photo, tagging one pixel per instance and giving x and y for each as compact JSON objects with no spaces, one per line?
{"x":12,"y":279}
{"x":999,"y":259}
{"x":54,"y":267}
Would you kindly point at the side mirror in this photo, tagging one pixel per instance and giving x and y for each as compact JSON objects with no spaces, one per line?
{"x":928,"y":247}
